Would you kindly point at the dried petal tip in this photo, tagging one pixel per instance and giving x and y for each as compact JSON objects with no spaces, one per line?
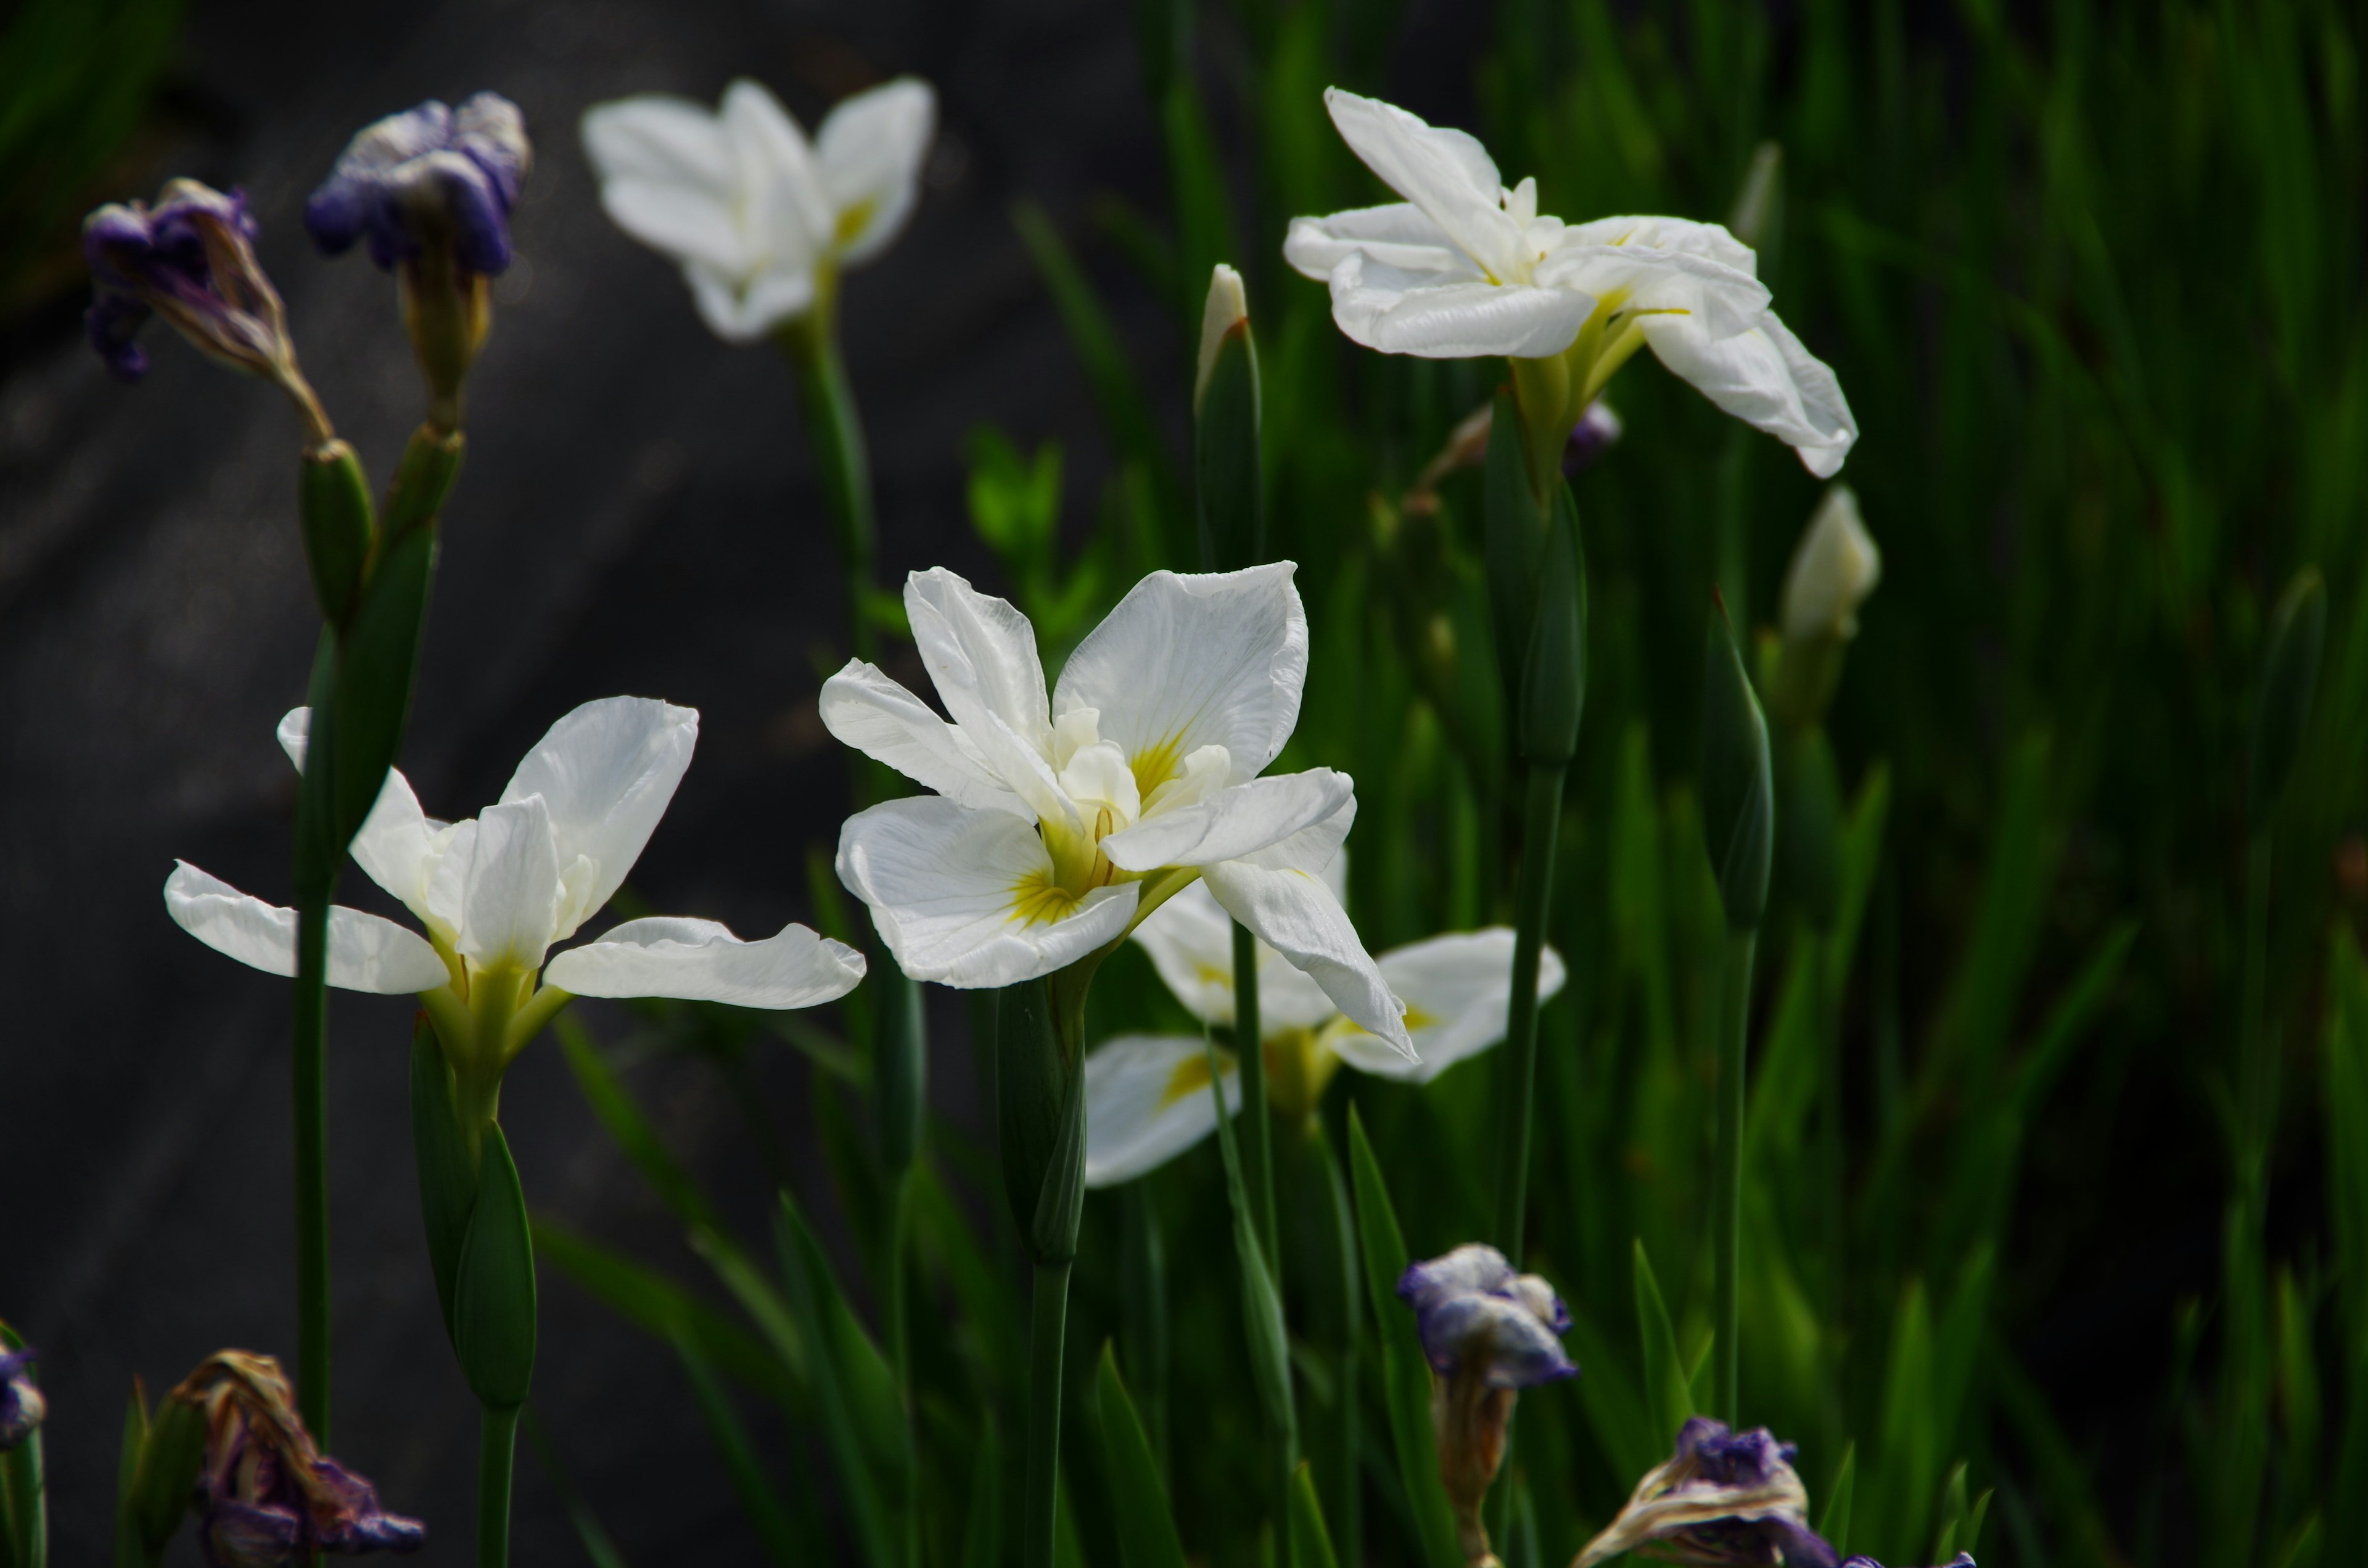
{"x":1725,"y":1497}
{"x":21,"y":1405}
{"x":429,"y":177}
{"x":264,"y":1495}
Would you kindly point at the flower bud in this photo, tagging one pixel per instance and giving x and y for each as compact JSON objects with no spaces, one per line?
{"x":1834,"y":568}
{"x":1488,"y":1333}
{"x":431,"y":189}
{"x":1962,"y":1559}
{"x":1724,"y":1497}
{"x":2289,"y":675}
{"x":1230,"y":488}
{"x":1739,"y":805}
{"x":190,"y":259}
{"x":21,"y":1405}
{"x":1597,"y":431}
{"x":264,"y":1495}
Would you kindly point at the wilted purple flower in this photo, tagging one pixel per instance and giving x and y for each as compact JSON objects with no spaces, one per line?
{"x":264,"y":1495}
{"x":1724,"y":1498}
{"x":427,"y":177}
{"x":1488,"y":1333}
{"x":21,"y":1405}
{"x":191,"y":258}
{"x":1598,"y":430}
{"x":1962,"y":1559}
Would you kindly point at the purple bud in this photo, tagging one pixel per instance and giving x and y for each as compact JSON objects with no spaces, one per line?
{"x":21,"y":1405}
{"x":1477,"y":1318}
{"x":1962,"y":1559}
{"x":1724,"y":1497}
{"x":1596,"y":433}
{"x":428,"y":178}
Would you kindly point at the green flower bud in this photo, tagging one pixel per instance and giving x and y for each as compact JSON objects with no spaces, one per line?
{"x":1739,"y":805}
{"x":1225,"y":432}
{"x":339,"y":528}
{"x":2289,"y":673}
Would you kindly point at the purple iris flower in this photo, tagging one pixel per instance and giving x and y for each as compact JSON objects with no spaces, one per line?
{"x":1723,"y":1498}
{"x":21,"y":1405}
{"x":1962,"y":1559}
{"x":191,"y":259}
{"x":266,"y":1495}
{"x":1478,"y":1318}
{"x":428,"y":177}
{"x":1596,"y":433}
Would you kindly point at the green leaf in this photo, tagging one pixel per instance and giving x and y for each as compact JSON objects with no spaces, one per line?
{"x":167,"y":1472}
{"x":983,"y":1526}
{"x":1515,"y":533}
{"x":747,"y":1472}
{"x":1912,"y":1442}
{"x":1737,"y":791}
{"x":597,"y":1544}
{"x":1834,"y":1523}
{"x":447,"y":1187}
{"x":1262,"y":1325}
{"x":2289,"y":676}
{"x":615,"y":1108}
{"x":1553,"y":663}
{"x":378,"y":660}
{"x":1406,"y":1377}
{"x":493,"y":1288}
{"x":1665,"y":1380}
{"x":340,"y":526}
{"x":128,"y":1552}
{"x":815,"y":1303}
{"x":1147,"y":1529}
{"x":1311,"y":1544}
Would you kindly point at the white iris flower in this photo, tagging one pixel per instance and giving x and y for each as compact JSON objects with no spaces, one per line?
{"x":1147,"y":1096}
{"x":1465,"y":268}
{"x":495,"y":892}
{"x":1058,"y":826}
{"x":761,"y":221}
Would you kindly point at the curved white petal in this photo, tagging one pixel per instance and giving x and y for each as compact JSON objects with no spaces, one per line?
{"x":1419,"y":314}
{"x":295,"y":732}
{"x":1834,"y":567}
{"x":606,"y":773}
{"x":981,"y":654}
{"x":686,"y":224}
{"x":864,"y":708}
{"x":1147,"y":1100}
{"x":1765,"y":377}
{"x":870,"y":150}
{"x":1684,"y":236}
{"x":1233,"y":823}
{"x":1722,"y":300}
{"x":1190,"y":942}
{"x":958,"y":895}
{"x":1296,"y":914}
{"x":1315,"y":850}
{"x":509,"y":898}
{"x":667,"y":177}
{"x":1399,"y":234}
{"x":1455,"y":989}
{"x":365,"y":953}
{"x":1445,"y":173}
{"x":700,"y":961}
{"x":740,"y":312}
{"x":1185,"y":662}
{"x":786,"y":208}
{"x":398,"y":844}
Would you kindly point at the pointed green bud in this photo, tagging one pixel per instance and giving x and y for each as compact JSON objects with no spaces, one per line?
{"x":164,"y":1475}
{"x":1230,"y":488}
{"x":339,"y":527}
{"x":1553,"y":674}
{"x":1739,"y":805}
{"x":2289,"y":673}
{"x":1835,"y":566}
{"x":1810,"y":826}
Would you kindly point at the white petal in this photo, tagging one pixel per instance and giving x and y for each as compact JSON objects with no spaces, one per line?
{"x":1233,"y":823}
{"x":1315,"y":850}
{"x":1191,"y":941}
{"x":1217,"y":659}
{"x":1766,"y":379}
{"x":700,"y":961}
{"x":1834,"y":568}
{"x":774,"y":173}
{"x":1683,"y":235}
{"x":295,"y":731}
{"x":945,"y":886}
{"x":1147,"y":1100}
{"x":1296,"y":914}
{"x":1419,"y":314}
{"x":1722,"y":300}
{"x":1455,"y":989}
{"x":396,"y":846}
{"x":667,"y":177}
{"x":606,"y":773}
{"x":1445,"y":173}
{"x":1399,"y":234}
{"x":688,"y":225}
{"x":866,"y":709}
{"x":870,"y":149}
{"x":739,"y":312}
{"x":365,"y":953}
{"x":981,"y":654}
{"x":509,"y":900}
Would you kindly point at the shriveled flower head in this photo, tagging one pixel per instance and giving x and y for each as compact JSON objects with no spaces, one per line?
{"x":190,"y":259}
{"x":266,"y":1495}
{"x":1479,"y":1318}
{"x":1724,"y":1498}
{"x":427,"y":177}
{"x":21,"y":1405}
{"x":761,"y":219}
{"x":1962,"y":1559}
{"x":1834,"y":568}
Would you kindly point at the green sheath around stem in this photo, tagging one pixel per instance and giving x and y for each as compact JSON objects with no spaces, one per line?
{"x":1047,"y":1332}
{"x":1257,"y":1128}
{"x":497,"y":1451}
{"x":1735,"y":1018}
{"x":1516,"y":1064}
{"x":308,"y":1084}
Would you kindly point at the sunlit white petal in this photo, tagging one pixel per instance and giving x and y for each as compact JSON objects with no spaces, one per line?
{"x":869,"y":149}
{"x":668,"y":177}
{"x":700,"y":961}
{"x":365,"y":953}
{"x":1147,"y":1100}
{"x":1399,"y":234}
{"x":1455,"y":989}
{"x":1766,"y":379}
{"x":1417,"y":314}
{"x":606,"y":773}
{"x":981,"y":654}
{"x":1233,"y":823}
{"x":509,"y":899}
{"x":1446,"y":173}
{"x":1189,"y":940}
{"x":1296,"y":914}
{"x":866,"y":709}
{"x":787,"y":213}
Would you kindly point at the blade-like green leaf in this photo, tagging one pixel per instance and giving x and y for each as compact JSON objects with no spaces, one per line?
{"x":1147,"y":1529}
{"x":493,"y":1287}
{"x":815,"y":1303}
{"x":1270,"y":1343}
{"x":750,"y":1481}
{"x":597,"y":1544}
{"x":1311,"y":1544}
{"x":1834,"y":1522}
{"x":447,"y":1187}
{"x":983,"y":1527}
{"x":1665,"y":1380}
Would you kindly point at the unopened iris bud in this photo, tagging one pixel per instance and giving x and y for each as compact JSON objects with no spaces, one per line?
{"x":1725,"y":1497}
{"x":431,"y":189}
{"x":21,"y":1405}
{"x":264,"y":1495}
{"x":191,"y":258}
{"x":1834,"y":568}
{"x":1226,"y":415}
{"x":1488,"y":1333}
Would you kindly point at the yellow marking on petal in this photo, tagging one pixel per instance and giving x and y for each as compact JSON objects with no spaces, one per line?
{"x":1212,"y":976}
{"x":1038,"y":900}
{"x":1155,"y":765}
{"x":1191,"y":1077}
{"x":853,"y":222}
{"x":1299,"y":1065}
{"x":1416,"y":1019}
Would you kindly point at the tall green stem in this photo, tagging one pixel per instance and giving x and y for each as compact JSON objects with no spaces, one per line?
{"x":309,"y":1091}
{"x":836,"y":433}
{"x":497,"y":1451}
{"x":1047,"y":1331}
{"x":1258,"y":1144}
{"x":1516,"y":1064}
{"x":1735,"y":1018}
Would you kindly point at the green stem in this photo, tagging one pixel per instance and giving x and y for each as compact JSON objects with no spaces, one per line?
{"x":1047,"y":1331}
{"x":309,"y":1085}
{"x":836,"y":432}
{"x":1516,"y":1064}
{"x":900,"y":1352}
{"x":1258,"y":1144}
{"x":1735,"y":1018}
{"x":497,"y":1450}
{"x":1835,"y":1150}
